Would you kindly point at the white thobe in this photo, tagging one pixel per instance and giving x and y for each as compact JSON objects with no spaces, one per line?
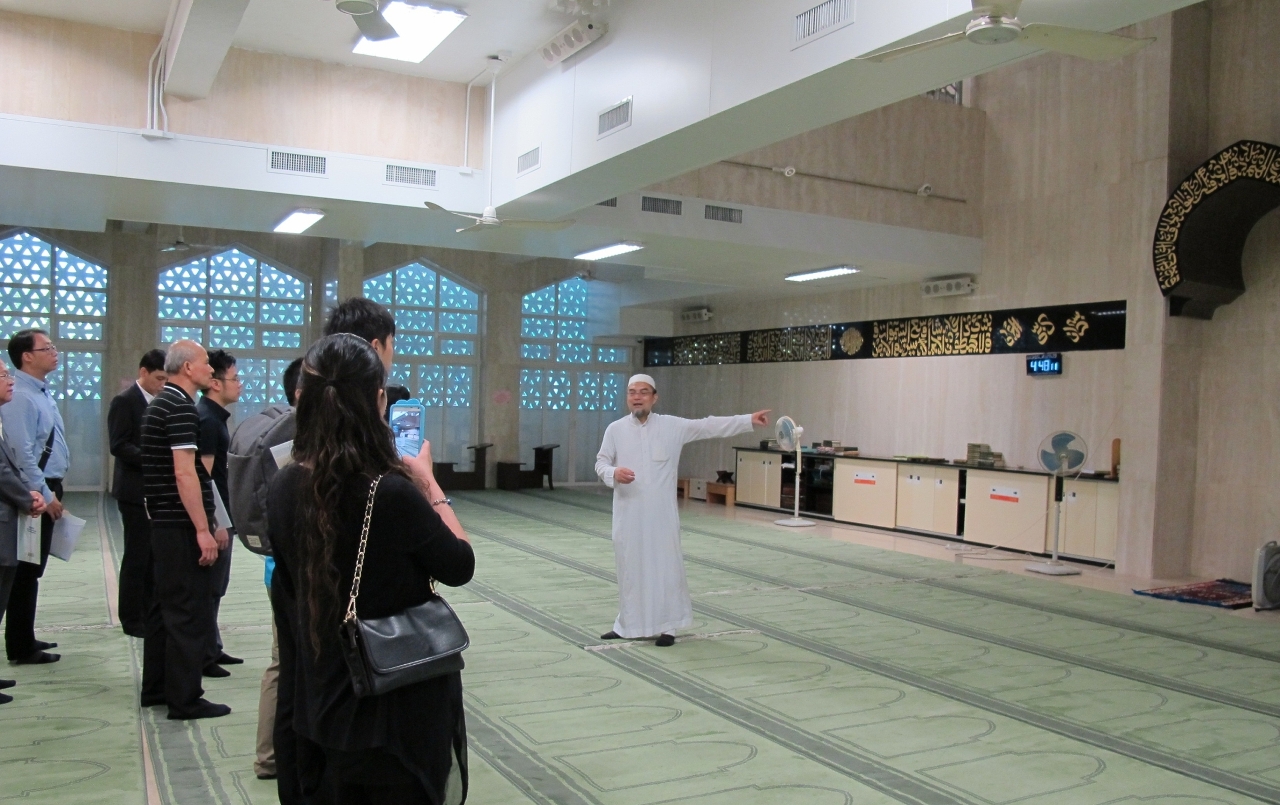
{"x":653,"y":595}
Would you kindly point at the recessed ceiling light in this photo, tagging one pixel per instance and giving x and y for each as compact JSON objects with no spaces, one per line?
{"x":299,"y":221}
{"x":420,"y":30}
{"x":822,"y":273}
{"x":609,"y":251}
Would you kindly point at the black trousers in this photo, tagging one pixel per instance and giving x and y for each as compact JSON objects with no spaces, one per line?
{"x":20,"y":619}
{"x":136,"y":581}
{"x":178,"y":623}
{"x":221,"y":580}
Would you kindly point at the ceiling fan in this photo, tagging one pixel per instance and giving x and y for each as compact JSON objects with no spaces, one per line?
{"x":180,"y":245}
{"x":367,"y":15}
{"x":490,"y":215}
{"x":998,"y":24}
{"x":490,"y":218}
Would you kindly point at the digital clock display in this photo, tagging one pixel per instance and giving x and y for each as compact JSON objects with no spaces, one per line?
{"x":1049,"y":363}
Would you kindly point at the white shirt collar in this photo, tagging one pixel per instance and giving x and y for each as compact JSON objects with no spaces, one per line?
{"x":145,"y":395}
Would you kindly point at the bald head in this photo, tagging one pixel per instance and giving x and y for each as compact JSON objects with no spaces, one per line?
{"x":187,"y":365}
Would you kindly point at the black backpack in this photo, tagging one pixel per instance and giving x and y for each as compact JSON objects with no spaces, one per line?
{"x":250,"y":467}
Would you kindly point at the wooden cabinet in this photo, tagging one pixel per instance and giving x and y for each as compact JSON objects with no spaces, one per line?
{"x":1007,"y":509}
{"x":1090,"y":513}
{"x":865,"y":492}
{"x":928,"y":498}
{"x":759,"y":478}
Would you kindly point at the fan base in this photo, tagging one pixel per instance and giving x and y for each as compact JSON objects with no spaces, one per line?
{"x":794,"y":522}
{"x":1053,"y":568}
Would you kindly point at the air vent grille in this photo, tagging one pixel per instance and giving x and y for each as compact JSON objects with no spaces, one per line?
{"x":289,"y":162}
{"x":822,"y":19}
{"x":615,"y":117}
{"x":666,"y":206}
{"x":417,"y":177}
{"x":729,"y":215}
{"x":609,"y":202}
{"x":528,"y":161}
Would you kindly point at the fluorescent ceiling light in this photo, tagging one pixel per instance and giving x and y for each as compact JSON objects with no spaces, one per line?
{"x":822,"y":273}
{"x":609,"y":251}
{"x":421,"y":29}
{"x":299,"y":221}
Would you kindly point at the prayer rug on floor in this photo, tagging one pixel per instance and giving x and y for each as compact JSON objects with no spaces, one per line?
{"x":1221,"y":593}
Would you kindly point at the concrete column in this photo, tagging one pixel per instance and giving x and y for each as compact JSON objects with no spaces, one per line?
{"x":350,"y":269}
{"x":500,"y":375}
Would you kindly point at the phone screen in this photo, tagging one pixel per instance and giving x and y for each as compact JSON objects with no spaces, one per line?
{"x":406,"y":425}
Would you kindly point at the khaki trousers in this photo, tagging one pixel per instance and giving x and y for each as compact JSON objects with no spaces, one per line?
{"x":265,"y":763}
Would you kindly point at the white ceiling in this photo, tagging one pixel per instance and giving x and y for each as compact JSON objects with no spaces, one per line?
{"x":314,"y":29}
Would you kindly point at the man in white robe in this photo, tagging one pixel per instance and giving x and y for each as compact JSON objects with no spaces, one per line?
{"x":639,"y":460}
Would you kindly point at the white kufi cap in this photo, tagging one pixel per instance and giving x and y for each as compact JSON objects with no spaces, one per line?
{"x":642,"y":379}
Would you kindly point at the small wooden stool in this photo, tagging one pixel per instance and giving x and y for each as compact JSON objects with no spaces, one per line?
{"x":721,"y":493}
{"x":682,"y":488}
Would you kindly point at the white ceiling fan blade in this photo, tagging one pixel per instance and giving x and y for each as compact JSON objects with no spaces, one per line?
{"x":552,"y":226}
{"x":437,"y":208}
{"x":374,"y":26}
{"x":472,"y":228}
{"x":1093,"y":45}
{"x":897,"y":53}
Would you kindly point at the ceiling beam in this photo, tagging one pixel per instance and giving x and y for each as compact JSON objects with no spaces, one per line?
{"x":198,"y":43}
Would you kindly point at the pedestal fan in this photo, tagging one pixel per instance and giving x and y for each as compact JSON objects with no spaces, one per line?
{"x":1061,"y":454}
{"x":789,"y":435}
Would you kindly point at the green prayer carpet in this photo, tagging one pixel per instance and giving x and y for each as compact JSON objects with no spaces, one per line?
{"x":818,"y":672}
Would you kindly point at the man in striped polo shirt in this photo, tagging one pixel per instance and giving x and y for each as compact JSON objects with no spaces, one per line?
{"x":184,"y":540}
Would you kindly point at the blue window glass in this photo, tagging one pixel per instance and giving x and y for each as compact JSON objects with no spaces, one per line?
{"x":572,"y":330}
{"x":73,"y":302}
{"x":457,"y":390}
{"x":613,"y":355}
{"x":457,"y":346}
{"x":413,"y":320}
{"x":80,"y":330}
{"x":535,"y":352}
{"x":225,"y":336}
{"x":402,"y":374}
{"x":170,"y":334}
{"x":281,"y":339}
{"x":540,"y":303}
{"x":573,"y":353}
{"x":431,"y":385}
{"x":572,"y":298}
{"x":330,"y":295}
{"x":233,"y":310}
{"x":537,"y":328}
{"x":24,"y":300}
{"x":376,"y":288}
{"x":233,"y":274}
{"x":414,"y":344}
{"x":459,"y":322}
{"x":288,"y":313}
{"x":415,"y":286}
{"x":458,"y":297}
{"x":25,"y":260}
{"x":531,"y":388}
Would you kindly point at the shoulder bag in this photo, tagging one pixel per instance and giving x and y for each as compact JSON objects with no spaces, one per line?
{"x":420,"y":643}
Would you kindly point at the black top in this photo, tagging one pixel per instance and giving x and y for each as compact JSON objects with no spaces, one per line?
{"x":214,"y":440}
{"x":124,"y":426}
{"x":408,"y":546}
{"x":171,"y":423}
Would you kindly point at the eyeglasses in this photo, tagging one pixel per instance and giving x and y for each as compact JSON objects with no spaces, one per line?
{"x":50,"y":348}
{"x":6,"y":376}
{"x":235,"y":379}
{"x":640,"y":392}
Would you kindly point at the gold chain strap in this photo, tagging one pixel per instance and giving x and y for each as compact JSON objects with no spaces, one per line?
{"x":364,"y":538}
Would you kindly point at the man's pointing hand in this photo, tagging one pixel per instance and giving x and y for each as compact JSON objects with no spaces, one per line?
{"x":760,"y":419}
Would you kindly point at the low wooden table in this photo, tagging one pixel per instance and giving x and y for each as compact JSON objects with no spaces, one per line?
{"x":721,"y":493}
{"x":682,"y":488}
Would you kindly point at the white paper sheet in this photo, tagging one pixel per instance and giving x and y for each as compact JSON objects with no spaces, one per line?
{"x":66,"y":531}
{"x":283,"y":454}
{"x":29,"y":540}
{"x":220,"y":516}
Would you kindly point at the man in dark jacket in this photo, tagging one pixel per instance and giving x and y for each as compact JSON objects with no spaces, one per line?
{"x":124,"y":425}
{"x":224,"y":390}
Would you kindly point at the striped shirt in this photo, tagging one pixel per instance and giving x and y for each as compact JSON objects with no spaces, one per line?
{"x":171,"y":423}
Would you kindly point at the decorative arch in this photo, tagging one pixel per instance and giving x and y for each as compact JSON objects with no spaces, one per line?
{"x":243,"y":302}
{"x":1203,"y":227}
{"x":437,"y":347}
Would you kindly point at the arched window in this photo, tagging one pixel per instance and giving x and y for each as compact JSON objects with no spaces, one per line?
{"x":235,"y":301}
{"x":44,"y":286}
{"x":437,"y":328}
{"x":570,"y":389}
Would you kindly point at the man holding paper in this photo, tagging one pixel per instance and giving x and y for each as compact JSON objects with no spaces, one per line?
{"x":224,"y":390}
{"x":184,"y":540}
{"x":16,"y":500}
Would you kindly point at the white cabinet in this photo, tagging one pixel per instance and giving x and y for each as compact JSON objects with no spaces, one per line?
{"x":1090,"y":512}
{"x":1007,"y":509}
{"x":759,"y":479}
{"x":865,"y":492}
{"x":928,"y":498}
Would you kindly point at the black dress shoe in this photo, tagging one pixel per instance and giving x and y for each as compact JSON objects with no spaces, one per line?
{"x":203,"y":709}
{"x":37,"y":657}
{"x":216,"y":671}
{"x":5,"y":684}
{"x":665,"y":640}
{"x":152,"y":701}
{"x":267,"y":775}
{"x":226,"y":659}
{"x":43,"y":646}
{"x":5,"y":698}
{"x":610,"y":635}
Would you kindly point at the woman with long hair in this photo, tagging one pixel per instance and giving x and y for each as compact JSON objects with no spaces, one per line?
{"x":407,"y":745}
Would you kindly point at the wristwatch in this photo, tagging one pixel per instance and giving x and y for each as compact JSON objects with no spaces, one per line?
{"x":445,"y":501}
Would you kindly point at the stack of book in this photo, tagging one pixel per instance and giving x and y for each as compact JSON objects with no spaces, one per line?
{"x":981,"y":455}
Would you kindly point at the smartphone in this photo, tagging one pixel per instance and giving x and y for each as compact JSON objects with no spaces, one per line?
{"x":406,"y":425}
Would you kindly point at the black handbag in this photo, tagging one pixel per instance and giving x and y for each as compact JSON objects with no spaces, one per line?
{"x":421,"y":643}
